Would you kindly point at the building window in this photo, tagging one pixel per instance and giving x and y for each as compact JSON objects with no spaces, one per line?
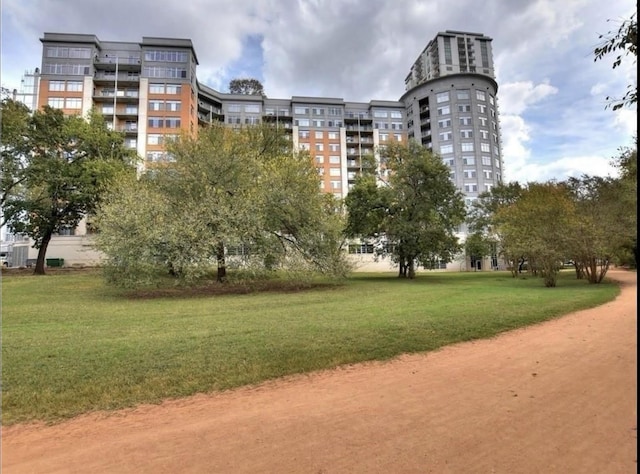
{"x":471,"y":188}
{"x":155,"y":122}
{"x":484,"y":134}
{"x":64,"y":52}
{"x":334,"y":160}
{"x":444,"y":136}
{"x":66,"y":69}
{"x":317,"y":111}
{"x":491,"y":100}
{"x":465,"y":121}
{"x":334,"y":172}
{"x":384,"y":137}
{"x":395,"y":114}
{"x":56,"y":86}
{"x":469,"y":160}
{"x":446,"y":110}
{"x":464,"y":108}
{"x":332,"y":135}
{"x":156,"y":105}
{"x":168,"y":72}
{"x":462,"y":94}
{"x":234,"y":108}
{"x":446,"y":149}
{"x":173,"y":105}
{"x":319,"y":159}
{"x":334,"y":147}
{"x":172,"y":123}
{"x":302,"y":122}
{"x":166,"y":56}
{"x":336,"y":185}
{"x":485,"y":148}
{"x":497,"y":163}
{"x":318,"y":123}
{"x":74,"y":86}
{"x":156,"y":88}
{"x":442,"y":97}
{"x":486,"y":160}
{"x":380,"y":114}
{"x":483,"y":121}
{"x":482,"y":108}
{"x":304,"y":146}
{"x":466,"y":133}
{"x":469,"y":173}
{"x":467,"y":146}
{"x":155,"y":139}
{"x":319,"y":135}
{"x":487,"y":174}
{"x":319,"y":147}
{"x":303,"y":133}
{"x":480,"y":95}
{"x":335,"y":111}
{"x":301,"y":110}
{"x":444,"y":123}
{"x":73,"y":103}
{"x":252,"y":108}
{"x":56,"y":102}
{"x":173,"y":89}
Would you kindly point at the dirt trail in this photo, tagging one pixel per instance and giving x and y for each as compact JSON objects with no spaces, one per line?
{"x":558,"y":397}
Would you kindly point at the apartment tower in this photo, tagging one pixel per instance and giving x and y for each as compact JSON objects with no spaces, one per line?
{"x":451,"y":107}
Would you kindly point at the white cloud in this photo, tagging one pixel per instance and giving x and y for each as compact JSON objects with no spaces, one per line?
{"x":516,"y":97}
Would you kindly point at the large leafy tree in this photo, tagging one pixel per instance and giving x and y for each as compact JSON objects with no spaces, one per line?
{"x":416,"y":212}
{"x":483,"y":223}
{"x":13,"y":151}
{"x":603,"y":225}
{"x":540,"y":224}
{"x":226,"y":189}
{"x":62,"y":165}
{"x":622,"y":42}
{"x":246,"y":86}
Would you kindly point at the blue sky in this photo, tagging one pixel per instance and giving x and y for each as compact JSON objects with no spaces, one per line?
{"x":551,"y":92}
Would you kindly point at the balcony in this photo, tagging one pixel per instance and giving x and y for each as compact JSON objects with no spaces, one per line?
{"x":106,"y":95}
{"x":107,"y":77}
{"x":124,"y":63}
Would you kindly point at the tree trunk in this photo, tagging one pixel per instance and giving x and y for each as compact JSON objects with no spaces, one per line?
{"x":222,"y":265}
{"x":412,"y":269}
{"x":402,"y":267}
{"x":42,"y":253}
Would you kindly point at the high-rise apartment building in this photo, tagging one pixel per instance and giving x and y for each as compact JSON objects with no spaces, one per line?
{"x":150,"y":91}
{"x":451,"y":107}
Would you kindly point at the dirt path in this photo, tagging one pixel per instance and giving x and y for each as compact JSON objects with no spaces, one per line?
{"x":559,"y":397}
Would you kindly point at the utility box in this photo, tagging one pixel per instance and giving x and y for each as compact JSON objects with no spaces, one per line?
{"x":55,"y":262}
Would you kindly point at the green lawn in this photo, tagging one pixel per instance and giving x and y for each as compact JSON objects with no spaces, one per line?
{"x":72,"y":345}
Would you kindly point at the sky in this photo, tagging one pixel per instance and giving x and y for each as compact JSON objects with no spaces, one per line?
{"x":551,"y":95}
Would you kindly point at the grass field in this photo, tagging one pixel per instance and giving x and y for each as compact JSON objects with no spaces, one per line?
{"x":71,"y":345}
